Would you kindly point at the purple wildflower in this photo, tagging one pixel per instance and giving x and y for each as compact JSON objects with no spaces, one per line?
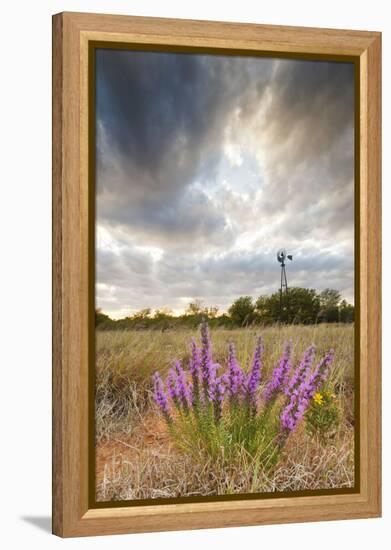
{"x":280,"y":374}
{"x":254,"y":378}
{"x":211,"y":393}
{"x":178,"y":387}
{"x":301,"y":371}
{"x":208,"y":368}
{"x":183,"y":389}
{"x":294,"y":410}
{"x":219,"y":396}
{"x":195,"y":371}
{"x":236,"y":378}
{"x":300,"y":396}
{"x":288,"y":423}
{"x":172,"y":386}
{"x":160,"y":396}
{"x":319,"y":376}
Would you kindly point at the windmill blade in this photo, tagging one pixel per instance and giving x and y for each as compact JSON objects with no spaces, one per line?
{"x":281,"y":255}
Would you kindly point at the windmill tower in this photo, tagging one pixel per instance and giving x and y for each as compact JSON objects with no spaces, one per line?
{"x":282,"y":256}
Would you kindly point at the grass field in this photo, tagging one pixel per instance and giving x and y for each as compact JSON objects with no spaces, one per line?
{"x":135,"y":456}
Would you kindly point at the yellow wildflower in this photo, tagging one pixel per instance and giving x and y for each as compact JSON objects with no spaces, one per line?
{"x":318,"y":398}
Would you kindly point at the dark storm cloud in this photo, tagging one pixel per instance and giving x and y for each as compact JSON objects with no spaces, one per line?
{"x":152,"y":102}
{"x":161,"y":119}
{"x":309,"y":127}
{"x":206,"y":165}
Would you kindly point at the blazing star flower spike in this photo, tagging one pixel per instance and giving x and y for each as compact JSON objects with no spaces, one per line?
{"x":301,"y":396}
{"x":195,"y":371}
{"x":183,"y":387}
{"x":160,"y":396}
{"x":254,"y":378}
{"x":301,"y":372}
{"x":280,"y":374}
{"x":236,"y":377}
{"x":208,"y":368}
{"x":219,"y":397}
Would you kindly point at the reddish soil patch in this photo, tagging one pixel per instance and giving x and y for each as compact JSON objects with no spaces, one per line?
{"x":151,"y":434}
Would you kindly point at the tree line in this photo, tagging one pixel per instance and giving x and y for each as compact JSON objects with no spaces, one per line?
{"x":299,"y":306}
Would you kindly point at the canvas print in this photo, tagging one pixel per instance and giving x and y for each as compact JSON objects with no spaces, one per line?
{"x":224,"y":287}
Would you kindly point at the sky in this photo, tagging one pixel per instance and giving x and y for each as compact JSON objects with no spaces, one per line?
{"x":206,"y":165}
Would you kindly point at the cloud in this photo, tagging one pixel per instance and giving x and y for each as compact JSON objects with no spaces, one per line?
{"x":206,"y":165}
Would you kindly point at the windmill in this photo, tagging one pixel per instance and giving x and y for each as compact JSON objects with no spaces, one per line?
{"x":282,"y":256}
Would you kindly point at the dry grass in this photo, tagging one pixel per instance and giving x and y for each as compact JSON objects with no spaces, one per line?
{"x":135,"y":456}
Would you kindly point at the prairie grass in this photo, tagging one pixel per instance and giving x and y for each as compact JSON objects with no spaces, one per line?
{"x":137,"y":458}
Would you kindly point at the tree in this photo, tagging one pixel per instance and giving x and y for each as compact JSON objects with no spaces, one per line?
{"x":142,"y":314}
{"x":268,"y":308}
{"x":242,"y":311}
{"x":300,"y":305}
{"x":164,"y":312}
{"x":329,"y":300}
{"x":346,"y":312}
{"x":139,"y":320}
{"x":163,"y":318}
{"x":194,"y":308}
{"x":102,"y":320}
{"x":262,"y":305}
{"x":212,"y":312}
{"x":303,"y":305}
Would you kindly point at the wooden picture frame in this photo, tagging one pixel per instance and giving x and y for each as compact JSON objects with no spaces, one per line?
{"x":73,"y":218}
